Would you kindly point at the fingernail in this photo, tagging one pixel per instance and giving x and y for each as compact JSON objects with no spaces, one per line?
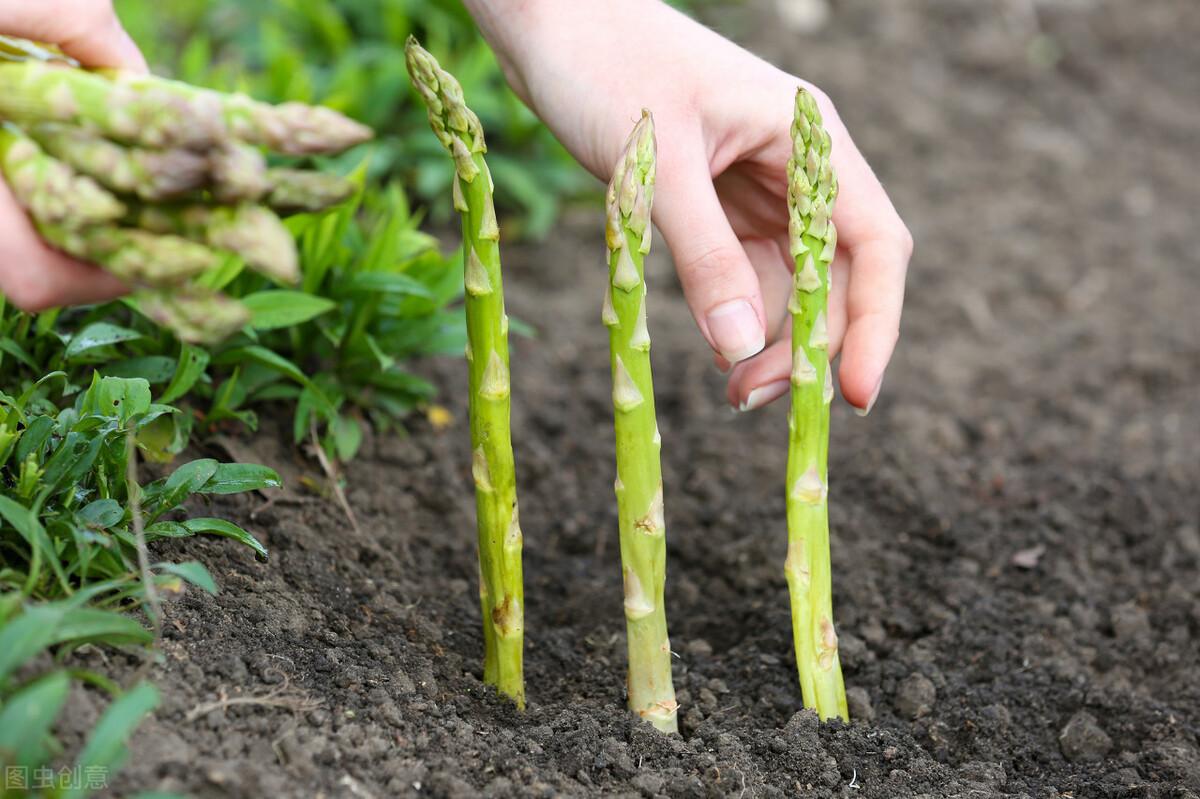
{"x":870,"y":402}
{"x":132,"y":54}
{"x":735,"y":330}
{"x":763,"y":394}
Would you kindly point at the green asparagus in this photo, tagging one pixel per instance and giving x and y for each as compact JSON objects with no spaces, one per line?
{"x":135,"y":256}
{"x":294,"y":190}
{"x":149,"y":174}
{"x":194,"y":315}
{"x":154,"y":112}
{"x":52,"y":192}
{"x":639,"y":484}
{"x":238,"y":172}
{"x":812,"y":190}
{"x":251,"y":231}
{"x":501,"y":587}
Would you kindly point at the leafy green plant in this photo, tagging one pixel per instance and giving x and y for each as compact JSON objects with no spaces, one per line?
{"x":70,"y":565}
{"x":349,"y":55}
{"x":376,"y":291}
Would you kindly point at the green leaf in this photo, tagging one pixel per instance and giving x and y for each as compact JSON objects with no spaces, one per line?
{"x":347,"y":436}
{"x":106,"y":748}
{"x":152,"y":368}
{"x":25,"y":521}
{"x":192,"y":571}
{"x":28,"y":634}
{"x":234,"y":478}
{"x":101,"y":514}
{"x":14,"y":349}
{"x":121,"y":397}
{"x":270,"y":310}
{"x":26,"y":718}
{"x":189,"y":368}
{"x":97,"y":335}
{"x":374,"y":283}
{"x":80,"y":625}
{"x":227,"y":530}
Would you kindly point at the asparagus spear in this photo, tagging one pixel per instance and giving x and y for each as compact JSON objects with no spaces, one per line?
{"x":135,"y":256}
{"x":639,"y":472}
{"x":238,"y":172}
{"x":251,"y":231}
{"x":501,"y":589}
{"x":194,"y":315}
{"x":50,"y":190}
{"x":812,"y":190}
{"x":294,"y":190}
{"x":159,"y":113}
{"x":149,"y":174}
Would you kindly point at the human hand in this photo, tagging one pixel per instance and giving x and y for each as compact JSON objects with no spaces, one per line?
{"x":723,"y":119}
{"x":32,"y":275}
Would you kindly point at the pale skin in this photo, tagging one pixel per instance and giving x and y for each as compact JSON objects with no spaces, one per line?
{"x":588,"y":69}
{"x":722,"y":115}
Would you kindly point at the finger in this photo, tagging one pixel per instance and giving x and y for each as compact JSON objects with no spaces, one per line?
{"x":874,"y":301}
{"x":87,"y":30}
{"x":762,"y":379}
{"x":773,"y":268}
{"x":879,"y":248}
{"x":35,"y":277}
{"x":718,"y":280}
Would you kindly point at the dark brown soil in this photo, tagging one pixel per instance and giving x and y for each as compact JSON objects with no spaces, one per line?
{"x":1016,"y":527}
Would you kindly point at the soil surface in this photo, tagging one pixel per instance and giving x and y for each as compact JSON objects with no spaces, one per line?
{"x":1016,"y":526}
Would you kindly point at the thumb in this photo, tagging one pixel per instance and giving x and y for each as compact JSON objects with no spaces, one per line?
{"x":88,"y":31}
{"x":718,"y":281}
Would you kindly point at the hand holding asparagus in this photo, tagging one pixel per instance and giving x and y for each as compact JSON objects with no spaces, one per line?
{"x":158,"y":182}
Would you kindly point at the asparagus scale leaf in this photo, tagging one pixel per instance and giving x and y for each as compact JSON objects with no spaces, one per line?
{"x":502,"y":593}
{"x":812,"y":190}
{"x":639,"y":484}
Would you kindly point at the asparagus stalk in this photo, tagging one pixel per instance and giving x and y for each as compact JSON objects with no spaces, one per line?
{"x":158,"y":113}
{"x":194,"y":315}
{"x":50,"y":190}
{"x":149,"y":174}
{"x":639,"y":471}
{"x":501,"y":589}
{"x":812,"y":190}
{"x":297,"y":190}
{"x":135,"y":256}
{"x":251,"y":231}
{"x":238,"y":172}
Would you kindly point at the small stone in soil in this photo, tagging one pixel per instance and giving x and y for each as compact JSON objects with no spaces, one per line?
{"x":915,"y":696}
{"x":859,"y":702}
{"x":1082,"y":740}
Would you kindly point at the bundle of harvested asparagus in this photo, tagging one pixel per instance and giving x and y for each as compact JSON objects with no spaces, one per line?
{"x":157,"y":181}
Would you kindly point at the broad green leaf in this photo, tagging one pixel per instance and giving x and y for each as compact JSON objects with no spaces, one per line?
{"x":95,"y":336}
{"x":106,"y":748}
{"x":152,"y":368}
{"x":278,"y":308}
{"x":101,"y":514}
{"x":192,"y":571}
{"x":226,"y":529}
{"x":34,"y":438}
{"x":234,"y":478}
{"x":121,"y":397}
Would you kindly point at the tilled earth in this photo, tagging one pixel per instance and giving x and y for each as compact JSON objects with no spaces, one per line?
{"x":1016,"y":526}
